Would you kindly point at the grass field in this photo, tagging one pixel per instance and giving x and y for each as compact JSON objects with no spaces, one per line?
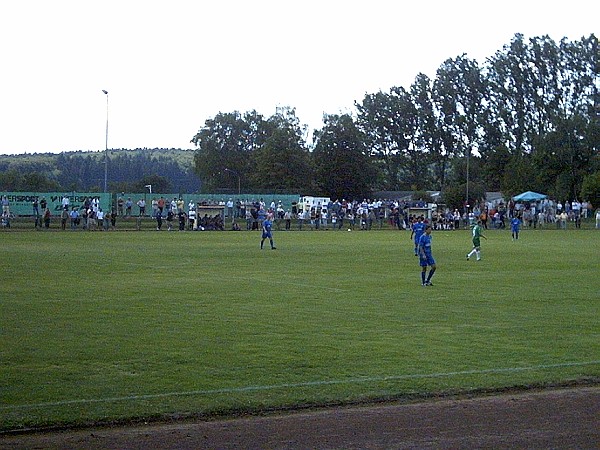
{"x":101,"y":327}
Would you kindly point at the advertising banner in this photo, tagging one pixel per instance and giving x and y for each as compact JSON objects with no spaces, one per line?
{"x":21,"y":203}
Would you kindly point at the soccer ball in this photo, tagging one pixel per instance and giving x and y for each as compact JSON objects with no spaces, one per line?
{"x":349,"y":229}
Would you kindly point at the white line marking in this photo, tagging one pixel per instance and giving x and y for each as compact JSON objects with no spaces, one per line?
{"x":302,"y":384}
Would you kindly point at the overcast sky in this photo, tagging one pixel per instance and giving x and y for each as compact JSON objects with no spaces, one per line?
{"x":170,"y":65}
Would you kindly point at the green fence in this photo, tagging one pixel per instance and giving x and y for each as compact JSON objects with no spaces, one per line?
{"x":21,"y":203}
{"x":207,"y":199}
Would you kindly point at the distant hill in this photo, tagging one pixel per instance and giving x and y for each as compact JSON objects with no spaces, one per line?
{"x":84,"y":171}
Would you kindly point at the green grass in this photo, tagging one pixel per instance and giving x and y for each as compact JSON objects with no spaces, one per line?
{"x":140,"y":325}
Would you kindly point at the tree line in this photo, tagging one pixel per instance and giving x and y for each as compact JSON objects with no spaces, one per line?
{"x":526,"y":119}
{"x":167,"y":170}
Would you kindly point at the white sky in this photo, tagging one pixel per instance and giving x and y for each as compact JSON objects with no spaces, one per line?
{"x":170,"y":65}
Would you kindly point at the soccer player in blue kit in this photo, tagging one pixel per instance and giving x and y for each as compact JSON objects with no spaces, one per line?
{"x":417,"y":230}
{"x":515,"y":225}
{"x":267,"y":232}
{"x":425,"y":257}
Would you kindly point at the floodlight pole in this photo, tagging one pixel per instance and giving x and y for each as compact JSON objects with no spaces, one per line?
{"x":467,"y":199}
{"x":106,"y":147}
{"x":238,"y":179}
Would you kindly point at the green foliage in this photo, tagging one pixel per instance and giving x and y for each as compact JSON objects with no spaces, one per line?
{"x":283,"y":162}
{"x":343,"y":168}
{"x":590,"y":189}
{"x":84,"y":171}
{"x":454,"y":196}
{"x":16,"y":180}
{"x":227,"y":141}
{"x":564,"y":156}
{"x":520,"y":175}
{"x":103,"y":332}
{"x":422,"y":195}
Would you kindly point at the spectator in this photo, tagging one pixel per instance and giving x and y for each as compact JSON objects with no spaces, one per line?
{"x":142,"y":206}
{"x":47,"y":216}
{"x":128,"y":205}
{"x":5,"y":205}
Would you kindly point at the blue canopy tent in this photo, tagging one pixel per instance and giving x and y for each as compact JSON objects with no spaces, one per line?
{"x":529,"y":196}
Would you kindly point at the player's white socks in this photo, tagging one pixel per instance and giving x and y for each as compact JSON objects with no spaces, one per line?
{"x":478,"y":255}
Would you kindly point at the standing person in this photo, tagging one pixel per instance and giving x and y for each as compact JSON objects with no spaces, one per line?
{"x":142,"y":206}
{"x":477,"y":234}
{"x":100,"y":218}
{"x":417,"y":230}
{"x":5,"y":205}
{"x":74,"y":218}
{"x":106,"y":218}
{"x":182,"y":219}
{"x":287,"y":216}
{"x":170,"y":215}
{"x":64,"y":216}
{"x":36,"y":212}
{"x":36,"y":205}
{"x":47,"y":216}
{"x":515,"y":225}
{"x":425,"y":256}
{"x":301,"y":217}
{"x":158,"y":221}
{"x":192,"y":217}
{"x":267,"y":232}
{"x":120,"y":203}
{"x":563,"y":220}
{"x":113,"y":219}
{"x":161,"y":205}
{"x":456,"y":218}
{"x":598,"y":219}
{"x":230,"y":208}
{"x":128,"y":206}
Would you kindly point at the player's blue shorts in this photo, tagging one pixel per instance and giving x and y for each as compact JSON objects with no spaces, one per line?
{"x":426,"y":261}
{"x":267,"y":234}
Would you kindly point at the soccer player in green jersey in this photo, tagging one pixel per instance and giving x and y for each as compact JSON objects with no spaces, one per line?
{"x":477,"y":234}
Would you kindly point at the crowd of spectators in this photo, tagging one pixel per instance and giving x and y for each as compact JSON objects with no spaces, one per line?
{"x":335,"y":214}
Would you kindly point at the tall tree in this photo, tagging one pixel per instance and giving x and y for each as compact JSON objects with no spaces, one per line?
{"x":378,"y":118}
{"x":564,"y":157}
{"x":283,"y":161}
{"x":509,"y":78}
{"x":580,"y":63}
{"x":228,"y":141}
{"x":459,"y":91}
{"x":429,"y":130}
{"x":343,"y":167}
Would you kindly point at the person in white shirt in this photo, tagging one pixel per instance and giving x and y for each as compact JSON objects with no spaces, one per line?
{"x":142,"y":205}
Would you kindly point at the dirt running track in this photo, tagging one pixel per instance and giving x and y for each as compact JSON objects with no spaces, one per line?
{"x":565,"y":418}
